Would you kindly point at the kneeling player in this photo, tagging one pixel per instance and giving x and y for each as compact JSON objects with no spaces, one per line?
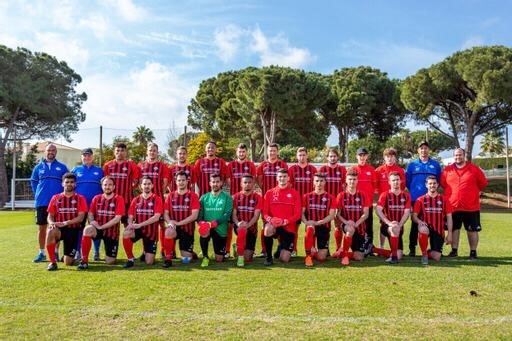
{"x":143,"y":222}
{"x":181,"y":209}
{"x":431,"y":211}
{"x":247,"y":206}
{"x":104,"y":218}
{"x":318,"y":209}
{"x":352,"y":211}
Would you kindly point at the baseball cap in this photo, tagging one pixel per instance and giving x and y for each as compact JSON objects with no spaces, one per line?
{"x":423,"y":143}
{"x":87,"y":151}
{"x":362,"y":151}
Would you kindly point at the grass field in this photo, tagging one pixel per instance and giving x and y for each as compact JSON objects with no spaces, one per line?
{"x":368,"y":300}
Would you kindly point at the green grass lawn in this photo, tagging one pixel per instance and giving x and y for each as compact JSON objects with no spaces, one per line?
{"x":368,"y":300}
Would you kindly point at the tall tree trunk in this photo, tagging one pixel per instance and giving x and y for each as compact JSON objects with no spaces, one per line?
{"x":470,"y":141}
{"x":343,"y":142}
{"x":252,"y":146}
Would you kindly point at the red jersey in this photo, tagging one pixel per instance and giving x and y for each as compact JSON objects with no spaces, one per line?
{"x":301,"y":178}
{"x":204,"y":167}
{"x":268,"y":173}
{"x":191,"y":173}
{"x":180,"y":207}
{"x":394,"y":205}
{"x":157,"y":171}
{"x":104,"y":210}
{"x":246,"y":205}
{"x":382,"y":173}
{"x":235,"y":172}
{"x":462,"y":186}
{"x":351,"y":207}
{"x":124,"y":174}
{"x":317,"y":206}
{"x":366,"y":180}
{"x":284,"y":203}
{"x":65,"y":208}
{"x":433,"y":211}
{"x":334,"y":178}
{"x":142,"y":209}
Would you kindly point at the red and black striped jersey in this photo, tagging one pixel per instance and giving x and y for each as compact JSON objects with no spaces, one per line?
{"x":235,"y":172}
{"x":433,"y":211}
{"x":180,"y":207}
{"x":157,"y":171}
{"x":317,"y":206}
{"x":267,"y":173}
{"x":351,"y":207}
{"x":204,"y":167}
{"x":334,"y":178}
{"x":246,"y":205}
{"x":105,"y":209}
{"x":124,"y":174}
{"x":301,"y":178}
{"x":141,"y":209}
{"x":394,"y":205}
{"x":191,"y":173}
{"x":64,"y":208}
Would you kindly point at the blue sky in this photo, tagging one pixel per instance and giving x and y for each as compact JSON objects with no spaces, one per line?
{"x":142,"y":61}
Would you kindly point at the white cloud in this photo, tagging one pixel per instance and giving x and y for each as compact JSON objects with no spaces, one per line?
{"x":70,"y":50}
{"x":128,"y":10}
{"x":98,"y":24}
{"x":227,"y":41}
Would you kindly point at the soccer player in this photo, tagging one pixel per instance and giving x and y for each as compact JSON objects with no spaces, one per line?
{"x":105,"y":214}
{"x":143,"y":216}
{"x":46,"y":181}
{"x":431,"y":212}
{"x":393,"y":209}
{"x":282,"y":207}
{"x":318,"y":209}
{"x":267,"y":177}
{"x":247,"y":205}
{"x":182,"y":165}
{"x":215,"y":212}
{"x":353,"y":213}
{"x":181,"y":209}
{"x":416,"y":174}
{"x":88,"y":183}
{"x":210,"y":164}
{"x":366,"y":184}
{"x":65,"y":214}
{"x":126,"y":175}
{"x":462,"y":182}
{"x":334,"y":184}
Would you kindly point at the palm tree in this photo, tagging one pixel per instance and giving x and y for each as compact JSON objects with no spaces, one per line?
{"x":493,"y":143}
{"x":143,"y":135}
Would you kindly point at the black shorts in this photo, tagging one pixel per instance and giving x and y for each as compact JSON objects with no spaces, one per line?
{"x":250,"y":238}
{"x":42,"y":215}
{"x":186,"y":241}
{"x":111,"y":245}
{"x":219,"y":243}
{"x":149,"y":244}
{"x":471,"y":220}
{"x":436,"y":240}
{"x":384,"y":231}
{"x":322,"y":234}
{"x":69,"y":236}
{"x":286,"y":239}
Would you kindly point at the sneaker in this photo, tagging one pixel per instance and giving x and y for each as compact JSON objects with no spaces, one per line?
{"x":52,"y":267}
{"x":412,"y":253}
{"x":261,"y":255}
{"x":294,"y":254}
{"x":424,"y":260}
{"x":78,"y":256}
{"x":453,"y":253}
{"x":268,"y":262}
{"x":142,"y":258}
{"x":96,"y":256}
{"x":167,"y":263}
{"x":205,"y":262}
{"x":240,"y":262}
{"x":472,"y":255}
{"x":392,"y":260}
{"x":40,"y":258}
{"x":345,"y":261}
{"x":308,"y":261}
{"x":129,"y":264}
{"x":82,"y":266}
{"x":227,"y":255}
{"x":368,"y":250}
{"x":185,"y":260}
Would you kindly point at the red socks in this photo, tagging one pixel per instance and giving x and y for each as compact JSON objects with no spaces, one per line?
{"x":161,"y":237}
{"x":240,"y":241}
{"x":382,"y":252}
{"x":393,"y":241}
{"x":423,"y":241}
{"x":347,"y":243}
{"x":128,"y":247}
{"x":86,"y":248}
{"x":262,"y":239}
{"x":338,"y":236}
{"x":309,"y":239}
{"x":50,"y":248}
{"x":169,"y":245}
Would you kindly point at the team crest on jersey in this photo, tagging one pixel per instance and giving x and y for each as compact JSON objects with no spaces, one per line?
{"x":368,"y":173}
{"x":338,"y":172}
{"x":431,"y":166}
{"x":186,"y":199}
{"x":155,"y":168}
{"x":221,"y":202}
{"x":215,"y":164}
{"x":288,"y":195}
{"x":324,"y":199}
{"x":251,"y":201}
{"x":41,"y":171}
{"x":150,"y":204}
{"x":96,"y":173}
{"x":357,"y":199}
{"x":58,"y":168}
{"x":125,"y":169}
{"x":73,"y":201}
{"x":402,"y":200}
{"x":439,"y":202}
{"x":112,"y":205}
{"x":246,"y":168}
{"x":308,"y":172}
{"x":79,"y":175}
{"x":417,"y":169}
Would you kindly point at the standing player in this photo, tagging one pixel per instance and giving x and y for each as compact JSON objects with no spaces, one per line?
{"x":353,"y":213}
{"x":282,"y":208}
{"x":46,"y":181}
{"x":181,"y":209}
{"x":65,"y":214}
{"x":182,"y":165}
{"x":301,"y":178}
{"x":462,"y":182}
{"x":126,"y":176}
{"x":432,"y":212}
{"x":143,"y":216}
{"x":366,"y":184}
{"x":416,"y":175}
{"x":318,"y":209}
{"x":247,"y":206}
{"x":215,"y":212}
{"x":105,"y":214}
{"x":334,"y":184}
{"x":393,"y":209}
{"x":267,"y":177}
{"x":210,"y":164}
